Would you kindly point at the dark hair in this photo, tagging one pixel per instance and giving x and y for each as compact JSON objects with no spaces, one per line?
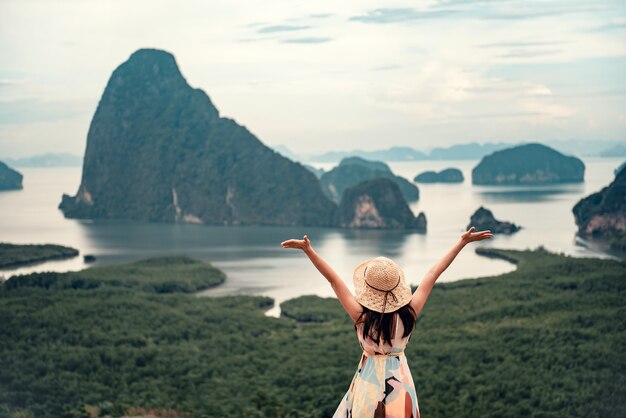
{"x":378,"y":326}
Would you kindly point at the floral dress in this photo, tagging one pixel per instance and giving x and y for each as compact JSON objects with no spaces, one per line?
{"x":382,"y":386}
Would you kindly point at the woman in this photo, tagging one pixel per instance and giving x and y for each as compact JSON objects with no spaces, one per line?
{"x":384,"y":313}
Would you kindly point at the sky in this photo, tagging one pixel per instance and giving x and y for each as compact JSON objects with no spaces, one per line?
{"x":328,"y":75}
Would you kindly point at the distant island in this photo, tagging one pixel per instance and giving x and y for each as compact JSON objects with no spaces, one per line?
{"x":469,"y":151}
{"x":448,"y":175}
{"x":602,"y":215}
{"x":10,"y":179}
{"x":377,"y":203}
{"x":618,"y":150}
{"x":528,"y":164}
{"x":158,"y":150}
{"x":483,"y":219}
{"x":47,"y":160}
{"x":15,"y":255}
{"x":354,"y":170}
{"x":461,"y":151}
{"x":389,"y":154}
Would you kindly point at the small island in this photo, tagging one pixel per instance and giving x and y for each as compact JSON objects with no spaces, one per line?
{"x":377,"y":204}
{"x":602,"y":215}
{"x":165,"y":274}
{"x":483,"y":219}
{"x":448,"y":175}
{"x":10,"y":179}
{"x":15,"y":255}
{"x":354,"y":170}
{"x":528,"y":164}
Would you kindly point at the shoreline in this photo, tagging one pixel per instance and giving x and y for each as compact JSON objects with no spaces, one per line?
{"x":24,"y":255}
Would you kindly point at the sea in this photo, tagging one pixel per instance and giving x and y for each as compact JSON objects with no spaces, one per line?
{"x":256,"y":264}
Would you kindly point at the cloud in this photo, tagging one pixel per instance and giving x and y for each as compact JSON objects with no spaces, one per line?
{"x":439,"y":92}
{"x":387,"y":67}
{"x":26,"y":111}
{"x":320,"y":15}
{"x":281,"y":28}
{"x":525,"y":53}
{"x":524,"y":49}
{"x":488,"y":11}
{"x":618,"y":23}
{"x":399,"y":15}
{"x":307,"y":40}
{"x":496,"y":115}
{"x":7,"y":83}
{"x":520,"y":44}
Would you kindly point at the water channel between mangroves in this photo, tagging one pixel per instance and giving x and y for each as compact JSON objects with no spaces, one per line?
{"x":255,"y":263}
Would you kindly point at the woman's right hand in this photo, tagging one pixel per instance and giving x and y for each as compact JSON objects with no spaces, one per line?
{"x":301,"y":244}
{"x":471,"y":236}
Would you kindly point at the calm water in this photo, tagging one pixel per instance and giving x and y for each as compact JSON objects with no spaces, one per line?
{"x":256,"y":264}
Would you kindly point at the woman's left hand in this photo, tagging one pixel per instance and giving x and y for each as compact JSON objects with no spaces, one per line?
{"x":301,"y":244}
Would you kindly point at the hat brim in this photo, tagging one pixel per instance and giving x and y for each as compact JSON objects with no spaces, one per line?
{"x":375,"y":299}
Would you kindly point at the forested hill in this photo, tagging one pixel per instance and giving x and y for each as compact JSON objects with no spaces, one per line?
{"x":544,"y":340}
{"x":158,"y":150}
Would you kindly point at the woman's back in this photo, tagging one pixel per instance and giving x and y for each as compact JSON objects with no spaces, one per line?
{"x":382,"y":385}
{"x":396,"y":345}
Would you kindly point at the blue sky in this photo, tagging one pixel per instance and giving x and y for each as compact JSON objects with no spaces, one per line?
{"x":328,"y":75}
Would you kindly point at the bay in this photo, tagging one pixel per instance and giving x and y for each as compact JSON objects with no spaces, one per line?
{"x":255,"y":263}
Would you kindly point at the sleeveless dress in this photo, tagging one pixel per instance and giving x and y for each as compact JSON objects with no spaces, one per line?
{"x":382,"y":386}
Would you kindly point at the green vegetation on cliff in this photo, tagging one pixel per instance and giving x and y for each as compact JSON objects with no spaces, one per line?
{"x":13,"y":255}
{"x":354,"y":170}
{"x":158,"y":150}
{"x":377,"y":203}
{"x":448,"y":175}
{"x":545,"y":340}
{"x":602,"y":215}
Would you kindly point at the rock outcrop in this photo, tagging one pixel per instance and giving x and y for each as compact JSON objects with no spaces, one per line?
{"x":528,"y":164}
{"x":448,"y":175}
{"x":9,"y":178}
{"x":354,"y":170}
{"x":483,"y":219}
{"x":377,"y":204}
{"x":602,"y":215}
{"x":158,"y":150}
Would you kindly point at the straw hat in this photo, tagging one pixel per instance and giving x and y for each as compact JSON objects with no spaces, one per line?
{"x":380,"y":285}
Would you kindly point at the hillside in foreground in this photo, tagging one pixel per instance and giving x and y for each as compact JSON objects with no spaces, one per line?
{"x":545,"y":340}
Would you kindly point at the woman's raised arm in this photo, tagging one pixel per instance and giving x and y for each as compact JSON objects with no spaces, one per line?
{"x":346,"y":298}
{"x":420,"y":296}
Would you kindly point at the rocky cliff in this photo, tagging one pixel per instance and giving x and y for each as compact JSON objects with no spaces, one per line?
{"x":483,"y":219}
{"x":9,"y":178}
{"x":602,"y":215}
{"x":377,"y":204}
{"x":158,"y":150}
{"x":354,"y":170}
{"x":528,"y":164}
